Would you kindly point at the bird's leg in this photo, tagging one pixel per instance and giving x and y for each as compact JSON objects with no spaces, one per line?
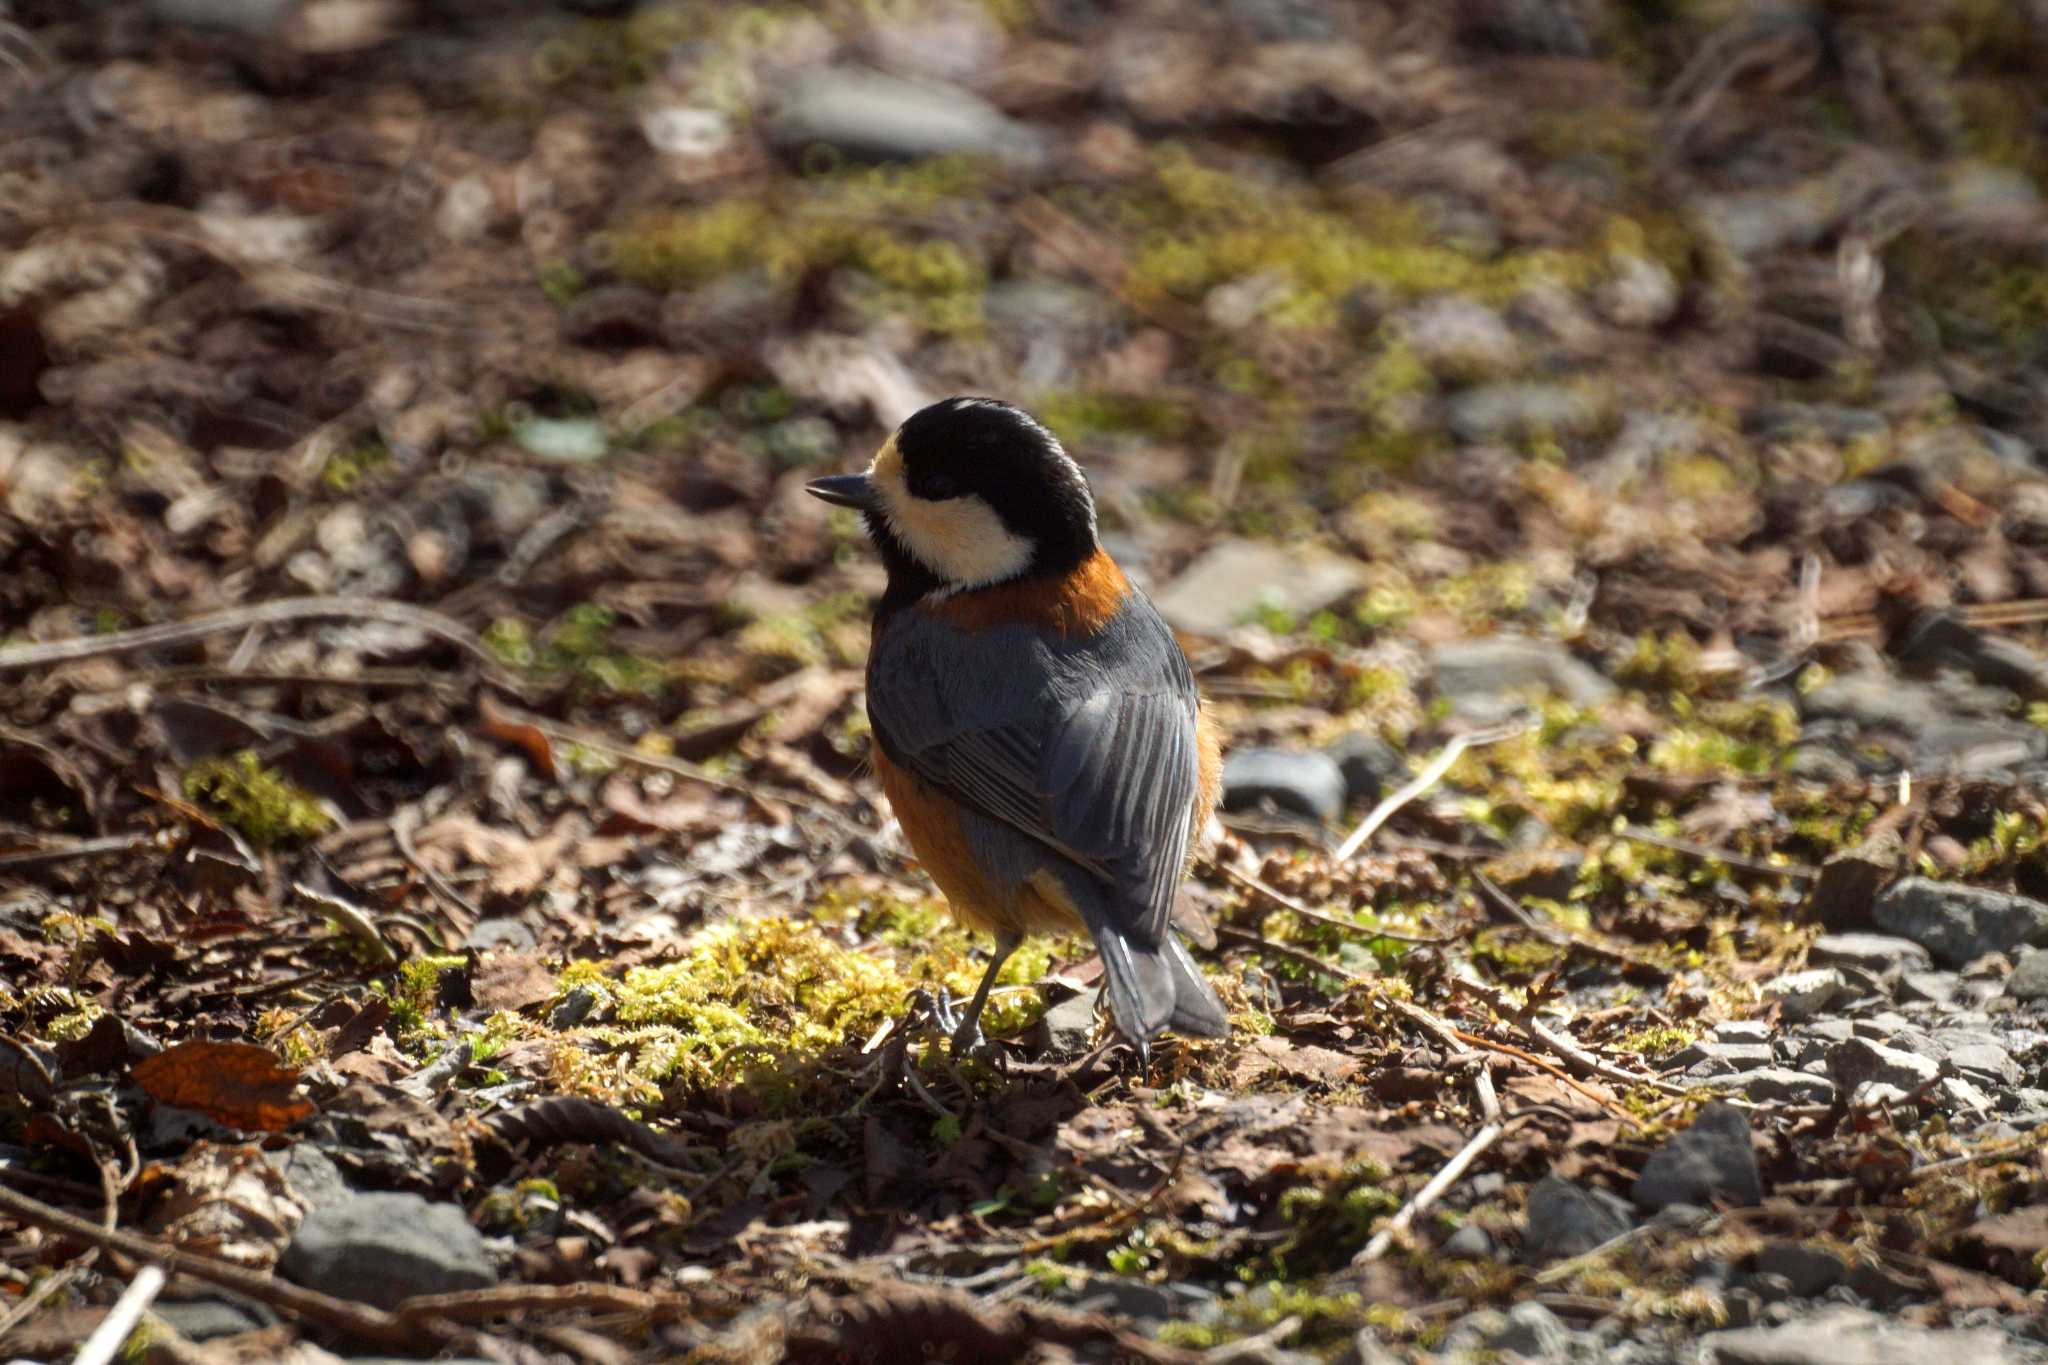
{"x":967,"y":1037}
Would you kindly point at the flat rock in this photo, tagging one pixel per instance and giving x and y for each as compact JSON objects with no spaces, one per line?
{"x":1566,"y":1220}
{"x":1809,"y":1270}
{"x":1711,"y":1159}
{"x":1959,"y":924}
{"x":1310,"y":784}
{"x":1854,"y":1336}
{"x":2029,"y":979}
{"x":1503,"y":664}
{"x":381,"y":1248}
{"x":1849,"y":881}
{"x":1984,"y":1063}
{"x":1860,"y":1061}
{"x":1233,"y":580}
{"x":1880,"y":953}
{"x":1785,"y":1086}
{"x":870,"y":114}
{"x":1066,"y":1029}
{"x":1802,"y":995}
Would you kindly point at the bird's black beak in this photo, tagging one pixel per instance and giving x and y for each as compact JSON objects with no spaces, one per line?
{"x":847,"y":490}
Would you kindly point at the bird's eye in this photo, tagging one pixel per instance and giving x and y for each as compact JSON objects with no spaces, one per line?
{"x":936,"y":486}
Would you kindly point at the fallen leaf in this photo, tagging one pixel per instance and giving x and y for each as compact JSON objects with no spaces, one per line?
{"x":505,"y":730}
{"x":236,"y":1084}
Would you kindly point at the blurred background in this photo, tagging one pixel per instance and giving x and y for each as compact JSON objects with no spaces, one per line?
{"x":1486,"y":298}
{"x":1669,"y":372}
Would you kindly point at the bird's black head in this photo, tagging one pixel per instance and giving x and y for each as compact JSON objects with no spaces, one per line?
{"x":970,"y":492}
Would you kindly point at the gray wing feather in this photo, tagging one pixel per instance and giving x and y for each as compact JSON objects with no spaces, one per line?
{"x":1089,"y":749}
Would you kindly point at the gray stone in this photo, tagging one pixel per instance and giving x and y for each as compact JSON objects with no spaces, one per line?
{"x":565,"y":440}
{"x":1958,"y":1094}
{"x":1783,"y":1086}
{"x":1368,"y":763}
{"x":1710,"y":1160}
{"x":1233,"y":580}
{"x":1960,"y":923}
{"x":1743,"y":1031}
{"x":1802,"y":995}
{"x":1066,"y":1029}
{"x":1808,"y":1270}
{"x":2029,"y":979}
{"x":1984,"y":1063}
{"x":1880,"y":953}
{"x":1514,"y":408}
{"x":1566,"y":1221}
{"x":381,"y":1248}
{"x":1937,"y":988}
{"x":216,"y":1315}
{"x":311,"y":1173}
{"x":1855,"y":1336}
{"x":1859,"y":1060}
{"x":1124,"y":1298}
{"x":1878,"y":1095}
{"x":1504,"y":664}
{"x":1310,"y":784}
{"x":1470,"y":1242}
{"x":1738,"y":1057}
{"x":871,"y":114}
{"x":1533,"y":1331}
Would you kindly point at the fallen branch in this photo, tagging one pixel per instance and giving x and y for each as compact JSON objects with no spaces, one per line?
{"x":358,"y":1320}
{"x":1420,"y":1202}
{"x":1294,"y":907}
{"x":281,"y":612}
{"x":1586,"y":1062}
{"x":1636,"y":834}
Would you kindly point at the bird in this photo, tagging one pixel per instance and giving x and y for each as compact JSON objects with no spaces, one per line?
{"x":1036,"y":725}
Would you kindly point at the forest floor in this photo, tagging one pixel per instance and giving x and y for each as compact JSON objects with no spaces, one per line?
{"x":442,"y":892}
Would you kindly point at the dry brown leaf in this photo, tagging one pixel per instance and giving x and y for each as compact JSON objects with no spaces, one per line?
{"x":236,"y":1084}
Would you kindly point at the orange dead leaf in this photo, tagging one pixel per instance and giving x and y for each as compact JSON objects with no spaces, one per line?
{"x":504,"y":729}
{"x":237,"y":1084}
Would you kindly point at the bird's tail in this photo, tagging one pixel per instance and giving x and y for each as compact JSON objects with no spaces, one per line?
{"x":1156,"y":988}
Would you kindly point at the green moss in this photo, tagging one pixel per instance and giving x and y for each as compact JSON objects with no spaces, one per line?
{"x":347,"y":470}
{"x":833,"y":222}
{"x":1326,"y":1319}
{"x":263,"y":806}
{"x":576,"y":649}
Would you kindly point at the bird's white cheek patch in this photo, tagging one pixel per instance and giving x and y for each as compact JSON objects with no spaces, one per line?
{"x":962,"y":540}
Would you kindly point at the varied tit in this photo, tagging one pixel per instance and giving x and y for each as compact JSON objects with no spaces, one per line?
{"x":1037,"y":727}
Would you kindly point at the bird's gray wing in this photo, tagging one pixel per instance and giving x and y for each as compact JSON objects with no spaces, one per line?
{"x":1089,"y":748}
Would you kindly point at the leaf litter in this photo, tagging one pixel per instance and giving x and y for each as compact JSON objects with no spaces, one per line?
{"x":432,"y":758}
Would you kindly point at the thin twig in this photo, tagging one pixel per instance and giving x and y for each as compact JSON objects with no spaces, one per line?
{"x":1516,"y":911}
{"x":359,"y":1320}
{"x":401,"y":835}
{"x":82,"y":848}
{"x":1295,"y":907}
{"x":45,"y":1287}
{"x":1420,"y":1201}
{"x":1571,"y":1051}
{"x":1636,"y":834}
{"x":280,"y":612}
{"x":1424,"y":780}
{"x":1557,"y":1072}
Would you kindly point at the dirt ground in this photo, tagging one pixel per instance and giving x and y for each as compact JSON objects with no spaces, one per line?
{"x":1591,"y":452}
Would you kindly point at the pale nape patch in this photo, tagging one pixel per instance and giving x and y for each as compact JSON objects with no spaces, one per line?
{"x":962,"y":540}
